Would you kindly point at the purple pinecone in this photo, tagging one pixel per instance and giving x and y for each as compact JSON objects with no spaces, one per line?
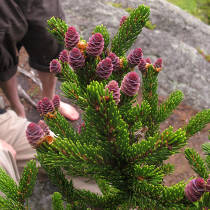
{"x":71,"y":38}
{"x":95,"y":45}
{"x":34,"y":133}
{"x":114,"y":88}
{"x":134,"y":57}
{"x":44,"y":127}
{"x":130,"y":84}
{"x":76,"y":59}
{"x":55,"y":66}
{"x":115,"y":61}
{"x":56,"y":101}
{"x":104,"y":68}
{"x":39,"y":107}
{"x":142,"y":65}
{"x":47,"y":105}
{"x":158,"y":63}
{"x":195,"y":189}
{"x":63,"y":57}
{"x":148,"y":60}
{"x":122,"y":20}
{"x":208,"y":185}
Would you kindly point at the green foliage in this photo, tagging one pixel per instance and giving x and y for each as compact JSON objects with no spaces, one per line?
{"x":16,"y":195}
{"x":198,"y":122}
{"x":8,"y":186}
{"x":167,"y":107}
{"x":120,"y":145}
{"x":57,"y":28}
{"x":206,"y":149}
{"x":57,"y":201}
{"x":27,"y":181}
{"x":198,"y":8}
{"x":196,"y":162}
{"x":129,"y":31}
{"x":149,"y":25}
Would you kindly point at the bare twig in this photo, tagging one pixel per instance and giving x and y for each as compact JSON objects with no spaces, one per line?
{"x":31,"y":74}
{"x":22,"y":93}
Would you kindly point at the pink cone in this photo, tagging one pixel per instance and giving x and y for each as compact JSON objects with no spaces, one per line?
{"x":104,"y":68}
{"x":76,"y":59}
{"x":71,"y":38}
{"x":114,"y":88}
{"x":95,"y":45}
{"x":34,"y":133}
{"x":130,"y":84}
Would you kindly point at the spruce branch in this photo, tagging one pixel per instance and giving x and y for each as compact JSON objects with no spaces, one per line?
{"x":8,"y":186}
{"x":156,"y":149}
{"x":68,"y":74}
{"x":57,"y":27}
{"x":58,"y":178}
{"x":73,"y":92}
{"x":167,"y":107}
{"x":149,"y":94}
{"x":111,"y":125}
{"x":60,"y":126}
{"x":197,"y":122}
{"x":196,"y":162}
{"x":206,"y":149}
{"x":8,"y":204}
{"x":167,"y":168}
{"x":27,"y":181}
{"x":57,"y":201}
{"x":151,"y":173}
{"x":130,"y":29}
{"x":174,"y":193}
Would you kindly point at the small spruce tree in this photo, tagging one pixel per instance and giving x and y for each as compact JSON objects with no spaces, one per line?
{"x":119,"y":145}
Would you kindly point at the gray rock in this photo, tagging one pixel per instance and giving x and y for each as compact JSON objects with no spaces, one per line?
{"x":175,"y":39}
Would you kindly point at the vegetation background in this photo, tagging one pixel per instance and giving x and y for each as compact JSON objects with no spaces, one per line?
{"x":198,"y":8}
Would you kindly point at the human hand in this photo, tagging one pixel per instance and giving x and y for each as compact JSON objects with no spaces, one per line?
{"x":7,"y":146}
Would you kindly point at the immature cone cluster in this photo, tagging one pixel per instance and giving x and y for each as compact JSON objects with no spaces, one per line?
{"x":47,"y":105}
{"x":122,"y":20}
{"x":134,"y":57}
{"x":95,"y":45}
{"x":44,"y":127}
{"x":71,"y":38}
{"x":195,"y":189}
{"x":63,"y":57}
{"x":34,"y":133}
{"x":39,"y":107}
{"x":148,"y":60}
{"x":158,"y":63}
{"x":56,"y":101}
{"x":114,"y":88}
{"x":130,"y":84}
{"x":142,"y":65}
{"x":76,"y":59}
{"x":104,"y":68}
{"x":115,"y":61}
{"x":55,"y":66}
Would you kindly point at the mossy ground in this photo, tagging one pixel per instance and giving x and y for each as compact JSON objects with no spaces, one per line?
{"x":198,"y":8}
